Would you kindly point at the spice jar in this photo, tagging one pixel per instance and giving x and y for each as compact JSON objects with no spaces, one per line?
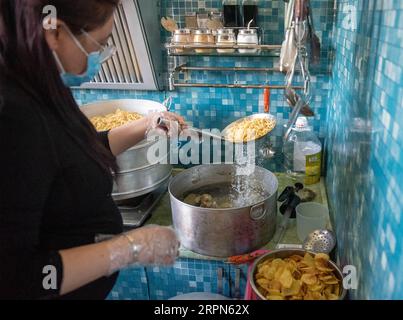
{"x":226,"y":37}
{"x":248,"y":37}
{"x":202,"y":20}
{"x":203,"y":37}
{"x":181,"y":37}
{"x":191,"y":20}
{"x":216,"y":20}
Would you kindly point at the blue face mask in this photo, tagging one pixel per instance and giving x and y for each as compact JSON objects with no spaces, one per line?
{"x":93,"y":67}
{"x":94,"y":62}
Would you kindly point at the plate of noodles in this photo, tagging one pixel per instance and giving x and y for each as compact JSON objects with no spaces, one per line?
{"x":250,"y":128}
{"x":110,"y":114}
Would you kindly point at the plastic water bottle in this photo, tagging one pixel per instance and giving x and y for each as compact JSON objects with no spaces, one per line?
{"x":303,"y":154}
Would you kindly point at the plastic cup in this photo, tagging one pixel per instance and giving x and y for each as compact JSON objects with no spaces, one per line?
{"x":311,"y":216}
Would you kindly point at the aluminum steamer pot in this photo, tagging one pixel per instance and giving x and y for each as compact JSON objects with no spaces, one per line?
{"x":223,"y":232}
{"x":136,"y":175}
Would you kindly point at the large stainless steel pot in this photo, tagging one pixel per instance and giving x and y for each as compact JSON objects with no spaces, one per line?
{"x":223,"y":232}
{"x":137,"y":175}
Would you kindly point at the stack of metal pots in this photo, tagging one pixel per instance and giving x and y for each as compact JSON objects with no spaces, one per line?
{"x":137,"y":175}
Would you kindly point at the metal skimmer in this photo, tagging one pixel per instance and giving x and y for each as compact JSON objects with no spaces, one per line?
{"x":320,"y":241}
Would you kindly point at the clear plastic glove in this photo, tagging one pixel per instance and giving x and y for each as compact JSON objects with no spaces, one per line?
{"x":151,"y":245}
{"x":174,"y":123}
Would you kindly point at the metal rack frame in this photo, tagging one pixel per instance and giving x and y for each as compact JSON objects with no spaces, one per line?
{"x":171,"y":47}
{"x":174,"y":85}
{"x":183,"y":67}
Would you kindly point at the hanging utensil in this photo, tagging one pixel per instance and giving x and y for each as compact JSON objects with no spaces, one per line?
{"x":313,"y":38}
{"x":300,"y":17}
{"x":300,"y":10}
{"x":293,"y":117}
{"x":298,"y":103}
{"x":288,"y":54}
{"x":290,"y":94}
{"x":302,"y":105}
{"x":305,"y":110}
{"x":292,"y":97}
{"x":266,"y":100}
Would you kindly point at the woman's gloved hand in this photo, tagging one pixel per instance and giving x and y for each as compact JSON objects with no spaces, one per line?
{"x":151,"y":245}
{"x":174,"y":123}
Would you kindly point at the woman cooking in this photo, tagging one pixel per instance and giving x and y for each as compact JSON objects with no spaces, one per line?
{"x":55,"y":177}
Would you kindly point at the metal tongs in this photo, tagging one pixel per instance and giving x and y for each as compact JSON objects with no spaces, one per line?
{"x":299,"y":103}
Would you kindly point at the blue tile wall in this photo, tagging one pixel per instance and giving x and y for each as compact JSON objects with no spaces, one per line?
{"x":186,"y":276}
{"x":132,"y":284}
{"x":215,"y":108}
{"x":364,"y":144}
{"x":162,"y":283}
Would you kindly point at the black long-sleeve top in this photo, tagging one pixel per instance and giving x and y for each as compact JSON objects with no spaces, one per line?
{"x":53,"y":196}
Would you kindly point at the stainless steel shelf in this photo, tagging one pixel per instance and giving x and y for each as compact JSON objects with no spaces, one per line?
{"x":227,"y":69}
{"x":189,"y":50}
{"x":240,"y":86}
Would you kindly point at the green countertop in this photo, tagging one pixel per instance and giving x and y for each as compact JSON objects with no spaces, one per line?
{"x":162,"y":215}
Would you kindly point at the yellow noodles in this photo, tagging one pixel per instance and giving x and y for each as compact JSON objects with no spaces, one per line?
{"x":250,"y":129}
{"x":114,"y":120}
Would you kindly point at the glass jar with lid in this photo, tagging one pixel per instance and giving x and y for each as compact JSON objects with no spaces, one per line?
{"x":248,"y":37}
{"x":226,"y":37}
{"x":202,"y":20}
{"x":216,"y":20}
{"x":181,"y":37}
{"x":203,"y":37}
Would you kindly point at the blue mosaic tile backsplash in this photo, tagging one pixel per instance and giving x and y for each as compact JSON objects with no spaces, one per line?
{"x":185,"y":276}
{"x":364,"y":144}
{"x":221,"y":106}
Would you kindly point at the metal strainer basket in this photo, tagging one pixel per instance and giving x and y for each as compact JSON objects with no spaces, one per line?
{"x":320,"y":241}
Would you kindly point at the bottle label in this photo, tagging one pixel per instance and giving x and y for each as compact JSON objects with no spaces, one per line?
{"x":313,"y":166}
